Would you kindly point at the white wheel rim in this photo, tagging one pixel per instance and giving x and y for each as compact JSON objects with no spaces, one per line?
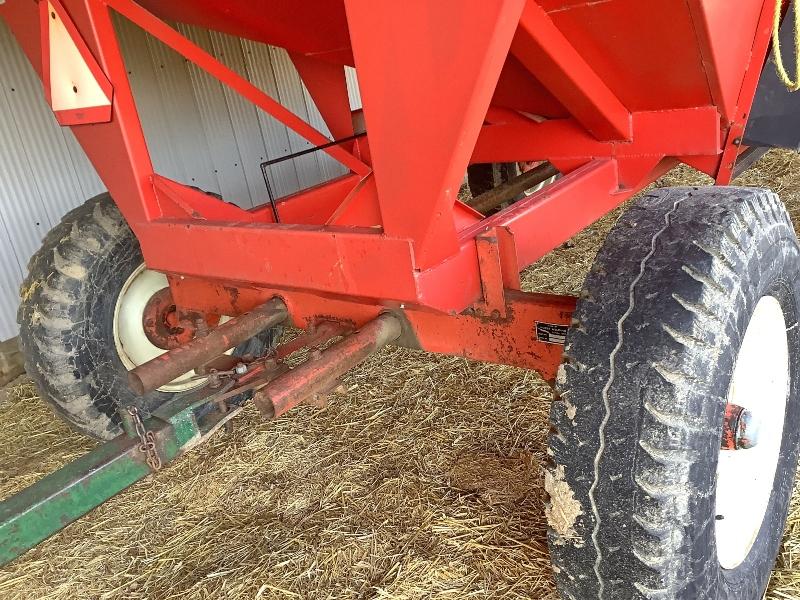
{"x":541,"y":186}
{"x":745,"y":478}
{"x":133,"y":346}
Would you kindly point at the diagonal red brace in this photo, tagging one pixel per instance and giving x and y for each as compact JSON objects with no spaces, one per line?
{"x":553,"y":60}
{"x":166,"y":34}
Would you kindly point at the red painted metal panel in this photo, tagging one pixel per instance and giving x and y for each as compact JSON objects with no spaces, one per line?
{"x":686,"y":132}
{"x":541,"y":47}
{"x":317,"y":27}
{"x":360,"y":207}
{"x":426,"y":88}
{"x":725,"y":36}
{"x":328,"y":87}
{"x":517,"y":89}
{"x":646,"y":52}
{"x":179,"y":201}
{"x":313,"y":206}
{"x":429,"y":71}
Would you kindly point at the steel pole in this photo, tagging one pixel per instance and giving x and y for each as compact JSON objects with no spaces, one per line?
{"x":161,"y":370}
{"x":318,"y":375}
{"x":513,"y":188}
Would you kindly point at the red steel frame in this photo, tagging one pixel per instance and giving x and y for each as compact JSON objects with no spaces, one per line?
{"x":391,"y":235}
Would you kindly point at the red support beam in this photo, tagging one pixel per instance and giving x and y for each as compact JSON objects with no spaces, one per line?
{"x":427,"y":72}
{"x":746,"y":95}
{"x":529,"y":336}
{"x":541,"y":47}
{"x":684,"y":132}
{"x":343,"y":260}
{"x":167,"y":35}
{"x":361,"y":263}
{"x":544,"y":220}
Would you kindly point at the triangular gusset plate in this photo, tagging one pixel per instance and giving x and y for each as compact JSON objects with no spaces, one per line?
{"x":76,"y":87}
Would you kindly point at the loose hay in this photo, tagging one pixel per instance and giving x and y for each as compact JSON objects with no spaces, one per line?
{"x":422,"y":482}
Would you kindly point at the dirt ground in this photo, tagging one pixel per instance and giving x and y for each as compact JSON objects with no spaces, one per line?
{"x":423,"y":481}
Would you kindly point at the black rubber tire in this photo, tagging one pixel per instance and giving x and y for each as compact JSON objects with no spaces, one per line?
{"x":66,"y":319}
{"x":637,"y":420}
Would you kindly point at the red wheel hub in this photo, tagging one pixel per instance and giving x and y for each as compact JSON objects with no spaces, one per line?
{"x":165,"y":325}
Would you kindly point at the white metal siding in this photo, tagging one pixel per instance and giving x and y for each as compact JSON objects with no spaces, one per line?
{"x":198,"y":131}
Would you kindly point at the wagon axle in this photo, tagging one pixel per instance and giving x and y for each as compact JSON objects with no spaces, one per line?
{"x":320,"y":373}
{"x":608,"y":95}
{"x":159,"y":371}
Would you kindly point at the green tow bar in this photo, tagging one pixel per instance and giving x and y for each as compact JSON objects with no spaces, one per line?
{"x":60,"y":498}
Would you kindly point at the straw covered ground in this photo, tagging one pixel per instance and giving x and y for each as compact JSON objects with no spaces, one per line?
{"x":423,"y":481}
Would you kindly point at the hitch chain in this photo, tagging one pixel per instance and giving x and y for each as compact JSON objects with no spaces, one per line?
{"x":147,"y":440}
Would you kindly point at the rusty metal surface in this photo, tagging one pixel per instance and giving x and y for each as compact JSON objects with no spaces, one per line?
{"x":320,"y":373}
{"x":739,"y":428}
{"x":174,"y":363}
{"x":165,"y":325}
{"x":318,"y":335}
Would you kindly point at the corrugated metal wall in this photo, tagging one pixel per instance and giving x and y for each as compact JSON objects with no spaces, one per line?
{"x":199,"y":132}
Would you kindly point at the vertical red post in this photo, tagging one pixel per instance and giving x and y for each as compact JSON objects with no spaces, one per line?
{"x":427,"y":72}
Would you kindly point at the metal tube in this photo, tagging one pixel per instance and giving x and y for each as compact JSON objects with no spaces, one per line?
{"x":319,"y":374}
{"x":161,"y":370}
{"x":513,"y":188}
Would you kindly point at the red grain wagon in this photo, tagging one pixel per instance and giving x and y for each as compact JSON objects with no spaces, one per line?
{"x":675,"y":425}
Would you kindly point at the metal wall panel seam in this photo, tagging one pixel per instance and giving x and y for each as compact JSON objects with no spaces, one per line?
{"x":290,"y":94}
{"x":21,"y":205}
{"x":283,"y":176}
{"x":243,"y":116}
{"x":215,"y":121}
{"x":10,"y":281}
{"x":164,"y":136}
{"x":353,"y":90}
{"x":87,"y":175}
{"x":40,"y":141}
{"x":142,"y":77}
{"x":18,"y":214}
{"x":183,"y":118}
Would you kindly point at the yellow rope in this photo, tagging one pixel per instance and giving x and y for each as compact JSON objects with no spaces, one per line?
{"x":791,"y":84}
